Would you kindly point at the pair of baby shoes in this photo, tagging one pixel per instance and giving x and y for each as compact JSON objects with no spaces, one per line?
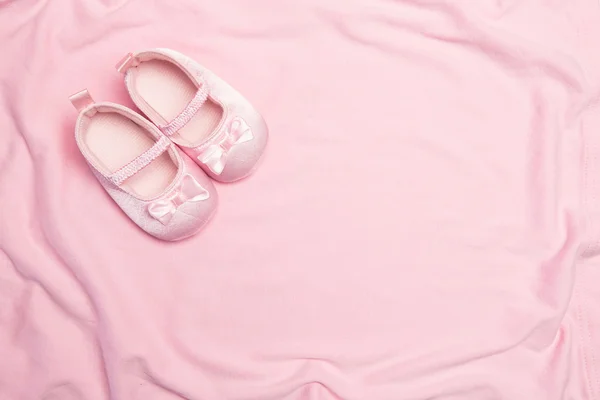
{"x":159,"y":170}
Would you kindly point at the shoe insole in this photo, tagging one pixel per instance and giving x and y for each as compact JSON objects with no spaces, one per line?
{"x":167,"y":90}
{"x":114,"y":140}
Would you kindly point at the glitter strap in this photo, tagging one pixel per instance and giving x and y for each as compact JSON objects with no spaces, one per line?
{"x":188,"y":112}
{"x":140,"y":162}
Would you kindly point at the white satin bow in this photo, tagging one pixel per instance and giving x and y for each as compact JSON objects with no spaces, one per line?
{"x":215,"y":156}
{"x":188,"y":191}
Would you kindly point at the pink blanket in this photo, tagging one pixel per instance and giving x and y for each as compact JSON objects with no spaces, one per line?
{"x":425,"y":225}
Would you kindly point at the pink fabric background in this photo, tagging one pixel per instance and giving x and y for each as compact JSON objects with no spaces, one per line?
{"x":424,"y":224}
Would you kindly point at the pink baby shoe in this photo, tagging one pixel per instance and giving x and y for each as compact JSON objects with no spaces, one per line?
{"x":208,"y":119}
{"x":144,"y":173}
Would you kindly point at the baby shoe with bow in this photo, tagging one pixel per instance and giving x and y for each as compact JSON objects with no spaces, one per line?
{"x":208,"y":119}
{"x":140,"y":168}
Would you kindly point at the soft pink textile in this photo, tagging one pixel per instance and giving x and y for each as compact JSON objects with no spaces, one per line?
{"x":425,"y":223}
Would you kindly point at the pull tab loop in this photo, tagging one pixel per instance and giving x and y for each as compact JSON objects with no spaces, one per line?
{"x":81,"y":100}
{"x":127,"y":62}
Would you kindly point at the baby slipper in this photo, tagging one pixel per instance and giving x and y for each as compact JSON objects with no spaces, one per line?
{"x":144,"y":173}
{"x":208,"y":119}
